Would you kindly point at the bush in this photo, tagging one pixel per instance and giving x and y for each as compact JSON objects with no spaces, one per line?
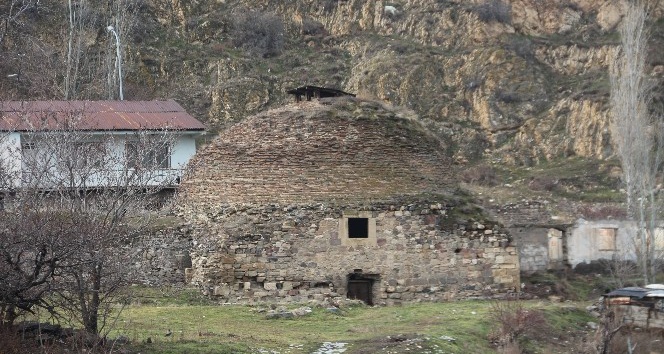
{"x":508,"y":96}
{"x":522,"y":46}
{"x":312,"y":27}
{"x":261,"y":33}
{"x":483,"y":175}
{"x":543,"y":184}
{"x":590,"y":212}
{"x":514,"y":322}
{"x":329,"y":5}
{"x":494,"y":10}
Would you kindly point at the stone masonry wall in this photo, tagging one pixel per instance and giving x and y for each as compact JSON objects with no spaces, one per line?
{"x":346,"y":150}
{"x":533,"y":248}
{"x":246,"y":253}
{"x":525,"y":213}
{"x":160,"y":257}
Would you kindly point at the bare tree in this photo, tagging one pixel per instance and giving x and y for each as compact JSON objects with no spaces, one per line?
{"x":637,"y":134}
{"x":10,"y":14}
{"x":36,"y":67}
{"x":72,"y":204}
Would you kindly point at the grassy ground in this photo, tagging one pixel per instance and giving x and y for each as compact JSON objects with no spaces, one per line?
{"x":451,"y":327}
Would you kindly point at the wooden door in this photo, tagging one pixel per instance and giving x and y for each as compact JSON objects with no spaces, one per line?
{"x":360,"y":289}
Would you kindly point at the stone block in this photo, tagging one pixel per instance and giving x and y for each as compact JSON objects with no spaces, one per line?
{"x":287,"y":285}
{"x":222,"y":290}
{"x":270,"y":286}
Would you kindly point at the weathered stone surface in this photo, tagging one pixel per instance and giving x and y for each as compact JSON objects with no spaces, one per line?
{"x":162,"y":256}
{"x":272,"y":198}
{"x":370,"y":152}
{"x":413,"y":265}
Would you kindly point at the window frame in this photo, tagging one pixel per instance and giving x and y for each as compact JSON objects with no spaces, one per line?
{"x":600,"y":238}
{"x":343,"y":231}
{"x":358,"y":227}
{"x":151,"y":159}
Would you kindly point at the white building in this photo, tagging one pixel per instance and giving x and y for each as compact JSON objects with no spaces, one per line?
{"x":594,"y":240}
{"x":94,"y":144}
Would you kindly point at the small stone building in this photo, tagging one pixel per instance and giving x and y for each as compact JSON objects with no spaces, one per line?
{"x":541,"y":239}
{"x":338,"y":198}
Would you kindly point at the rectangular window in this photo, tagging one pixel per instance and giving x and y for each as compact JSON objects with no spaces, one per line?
{"x":606,"y":239}
{"x":151,"y":157}
{"x":28,"y":146}
{"x":358,"y":228}
{"x":89,"y":154}
{"x":29,"y":158}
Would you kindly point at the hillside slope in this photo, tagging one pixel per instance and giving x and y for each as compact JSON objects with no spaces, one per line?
{"x":514,"y":83}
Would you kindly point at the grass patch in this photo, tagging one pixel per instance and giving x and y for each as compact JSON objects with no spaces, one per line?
{"x":451,"y":327}
{"x":167,"y":296}
{"x":581,"y":179}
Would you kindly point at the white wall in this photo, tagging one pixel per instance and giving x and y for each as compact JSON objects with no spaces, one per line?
{"x":583,"y":243}
{"x":10,"y":162}
{"x":113,"y":172}
{"x":183,"y":151}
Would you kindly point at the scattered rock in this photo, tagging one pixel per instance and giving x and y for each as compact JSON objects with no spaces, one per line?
{"x":282,"y":312}
{"x":331,"y":348}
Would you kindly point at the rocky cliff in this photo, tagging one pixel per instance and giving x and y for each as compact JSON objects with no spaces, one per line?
{"x":518,"y":81}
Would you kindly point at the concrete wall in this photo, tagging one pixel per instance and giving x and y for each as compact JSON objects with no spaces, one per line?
{"x":533,"y":248}
{"x":540,"y":248}
{"x":584,"y":243}
{"x":183,"y":150}
{"x":296,"y":252}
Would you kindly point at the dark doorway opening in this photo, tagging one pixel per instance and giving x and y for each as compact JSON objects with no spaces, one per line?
{"x":360,"y":287}
{"x":358,"y":228}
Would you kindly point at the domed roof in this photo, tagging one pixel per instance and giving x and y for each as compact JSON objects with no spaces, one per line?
{"x":333,"y":150}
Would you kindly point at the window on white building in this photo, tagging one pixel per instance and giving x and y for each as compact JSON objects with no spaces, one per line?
{"x":140,"y":156}
{"x":605,"y":239}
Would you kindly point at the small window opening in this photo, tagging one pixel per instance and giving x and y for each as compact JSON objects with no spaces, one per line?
{"x":458,"y":250}
{"x":358,"y":227}
{"x":606,"y":239}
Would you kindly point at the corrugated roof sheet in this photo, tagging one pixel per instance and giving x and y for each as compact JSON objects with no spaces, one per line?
{"x":95,"y":116}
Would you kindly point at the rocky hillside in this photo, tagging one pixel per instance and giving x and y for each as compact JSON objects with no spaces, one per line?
{"x":516,"y":82}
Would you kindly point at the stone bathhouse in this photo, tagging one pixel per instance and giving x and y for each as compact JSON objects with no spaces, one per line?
{"x":334,"y":199}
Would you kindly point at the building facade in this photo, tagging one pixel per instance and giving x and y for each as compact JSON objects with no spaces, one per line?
{"x":341,"y":198}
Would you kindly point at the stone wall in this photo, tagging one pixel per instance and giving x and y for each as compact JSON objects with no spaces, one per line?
{"x":160,"y":257}
{"x":344,"y":150}
{"x":524,"y":213}
{"x":246,"y":253}
{"x":533,"y":248}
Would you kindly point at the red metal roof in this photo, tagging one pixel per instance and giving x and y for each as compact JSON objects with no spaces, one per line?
{"x":95,"y":115}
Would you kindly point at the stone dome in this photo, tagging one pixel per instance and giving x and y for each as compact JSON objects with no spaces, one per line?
{"x":334,"y":150}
